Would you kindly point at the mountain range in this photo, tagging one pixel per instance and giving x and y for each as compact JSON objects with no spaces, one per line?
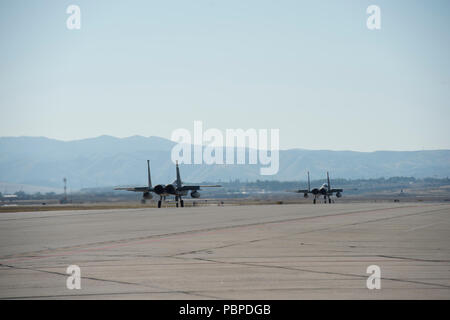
{"x":111,"y":161}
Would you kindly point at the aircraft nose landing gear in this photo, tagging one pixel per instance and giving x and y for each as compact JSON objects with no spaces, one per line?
{"x":159,"y":202}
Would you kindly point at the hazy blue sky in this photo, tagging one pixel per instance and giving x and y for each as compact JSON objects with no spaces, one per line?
{"x":310,"y":68}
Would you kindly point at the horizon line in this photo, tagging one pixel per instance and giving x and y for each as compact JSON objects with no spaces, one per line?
{"x":163,"y":138}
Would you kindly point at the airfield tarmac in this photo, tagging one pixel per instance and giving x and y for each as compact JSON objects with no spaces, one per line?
{"x":233,"y":252}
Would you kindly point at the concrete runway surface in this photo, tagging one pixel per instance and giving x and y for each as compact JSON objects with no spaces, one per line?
{"x":233,"y":252}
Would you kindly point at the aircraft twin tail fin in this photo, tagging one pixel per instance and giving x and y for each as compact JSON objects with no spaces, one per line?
{"x":178,"y":177}
{"x":328,"y":179}
{"x":309,"y":184}
{"x":149,"y":176}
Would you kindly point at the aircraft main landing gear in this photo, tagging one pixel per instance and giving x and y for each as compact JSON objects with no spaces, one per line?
{"x":179,"y":201}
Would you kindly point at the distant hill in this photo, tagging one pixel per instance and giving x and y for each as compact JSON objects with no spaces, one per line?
{"x":106,"y":160}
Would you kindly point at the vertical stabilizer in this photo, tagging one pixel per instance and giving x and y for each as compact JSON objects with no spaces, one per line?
{"x":328,"y":179}
{"x":178,"y":177}
{"x":149,"y":176}
{"x":309,"y":183}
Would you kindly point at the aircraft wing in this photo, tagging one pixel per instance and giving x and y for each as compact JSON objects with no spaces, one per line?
{"x":135,"y":189}
{"x":302,"y":191}
{"x":198,"y":187}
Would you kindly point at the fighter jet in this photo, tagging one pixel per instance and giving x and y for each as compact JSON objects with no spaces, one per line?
{"x":176,"y":189}
{"x":325,"y":190}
